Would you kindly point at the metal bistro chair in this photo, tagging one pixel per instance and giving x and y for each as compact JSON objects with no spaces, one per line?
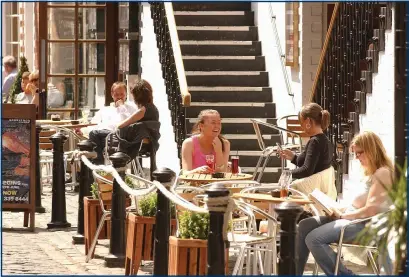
{"x":268,"y":151}
{"x":145,"y":151}
{"x":105,"y":194}
{"x":370,"y":250}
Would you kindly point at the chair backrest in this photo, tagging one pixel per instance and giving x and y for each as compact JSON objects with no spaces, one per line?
{"x":45,"y":142}
{"x":292,"y":123}
{"x":105,"y":188}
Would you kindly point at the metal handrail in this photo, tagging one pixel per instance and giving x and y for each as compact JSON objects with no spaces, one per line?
{"x":177,"y":54}
{"x":280,"y":52}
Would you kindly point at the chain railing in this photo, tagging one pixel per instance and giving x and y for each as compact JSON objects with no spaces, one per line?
{"x":173,"y":71}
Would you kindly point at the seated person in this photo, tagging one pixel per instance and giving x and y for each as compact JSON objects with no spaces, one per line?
{"x":315,"y":234}
{"x":317,"y":156}
{"x":31,"y":90}
{"x":108,"y":117}
{"x":143,"y":97}
{"x":143,"y":123}
{"x":55,"y":96}
{"x":206,"y":140}
{"x":25,"y":96}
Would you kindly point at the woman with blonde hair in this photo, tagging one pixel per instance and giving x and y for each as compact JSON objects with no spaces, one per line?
{"x":206,"y":140}
{"x":315,"y":234}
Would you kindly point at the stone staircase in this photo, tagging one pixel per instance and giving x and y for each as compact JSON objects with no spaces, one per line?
{"x":225,"y":70}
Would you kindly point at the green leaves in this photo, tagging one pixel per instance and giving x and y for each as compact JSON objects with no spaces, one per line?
{"x":16,"y":87}
{"x":193,"y":225}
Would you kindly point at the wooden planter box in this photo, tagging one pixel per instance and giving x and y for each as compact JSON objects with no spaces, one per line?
{"x":92,"y":216}
{"x":189,"y":257}
{"x":140,"y":241}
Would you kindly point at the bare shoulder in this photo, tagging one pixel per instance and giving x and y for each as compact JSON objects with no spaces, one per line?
{"x":383,"y":175}
{"x":187,"y":142}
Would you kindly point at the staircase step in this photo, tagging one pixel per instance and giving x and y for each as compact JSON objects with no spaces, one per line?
{"x":238,"y":126}
{"x":214,"y":18}
{"x":224,"y":63}
{"x":235,"y":109}
{"x":211,"y":6}
{"x":270,"y":175}
{"x":240,"y":33}
{"x":227,"y":78}
{"x":226,"y":94}
{"x":220,"y":48}
{"x":252,"y":143}
{"x":250,"y":159}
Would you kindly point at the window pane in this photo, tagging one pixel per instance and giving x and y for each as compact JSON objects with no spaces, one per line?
{"x":124,"y":57}
{"x":15,"y":50}
{"x":61,"y":58}
{"x":91,"y":23}
{"x":91,"y":58}
{"x":61,"y":23}
{"x":92,"y":3}
{"x":60,"y":92}
{"x":91,"y":92}
{"x":15,"y":29}
{"x":14,"y":8}
{"x":123,"y":11}
{"x":62,"y":3}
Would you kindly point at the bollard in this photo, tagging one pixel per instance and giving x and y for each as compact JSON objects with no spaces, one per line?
{"x":39,"y":208}
{"x":86,"y":180}
{"x":116,"y":256}
{"x":58,"y":210}
{"x":288,"y":214}
{"x":164,"y":176}
{"x":215,"y":242}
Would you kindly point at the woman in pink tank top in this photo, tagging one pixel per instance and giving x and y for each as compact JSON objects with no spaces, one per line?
{"x":206,"y":143}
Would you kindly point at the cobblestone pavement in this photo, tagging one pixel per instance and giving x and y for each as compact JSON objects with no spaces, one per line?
{"x":52,"y":252}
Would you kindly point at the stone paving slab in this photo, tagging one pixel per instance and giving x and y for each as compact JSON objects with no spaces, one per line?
{"x":52,"y":252}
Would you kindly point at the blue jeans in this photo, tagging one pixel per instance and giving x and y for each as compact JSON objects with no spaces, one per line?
{"x":315,"y":234}
{"x":98,"y":137}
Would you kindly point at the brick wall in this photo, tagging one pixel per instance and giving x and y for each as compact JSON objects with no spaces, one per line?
{"x":312,"y":36}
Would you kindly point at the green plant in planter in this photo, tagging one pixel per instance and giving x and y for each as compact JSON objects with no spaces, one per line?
{"x":390,"y":225}
{"x":193,"y":225}
{"x":16,"y":87}
{"x":148,"y":204}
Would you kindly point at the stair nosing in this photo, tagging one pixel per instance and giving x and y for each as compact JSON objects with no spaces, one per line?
{"x":228,"y":104}
{"x":225,"y":73}
{"x":193,"y":13}
{"x":221,"y":88}
{"x":216,"y":42}
{"x":215,"y":28}
{"x":212,"y":57}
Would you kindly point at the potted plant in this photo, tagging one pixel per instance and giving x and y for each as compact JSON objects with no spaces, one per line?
{"x":188,"y":251}
{"x":141,"y":233}
{"x":93,"y":211}
{"x":16,"y":87}
{"x":388,"y":230}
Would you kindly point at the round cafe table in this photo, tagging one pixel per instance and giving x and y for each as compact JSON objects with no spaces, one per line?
{"x":200,"y":179}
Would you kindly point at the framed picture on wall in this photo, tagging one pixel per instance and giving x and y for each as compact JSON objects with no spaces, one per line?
{"x":291,"y":34}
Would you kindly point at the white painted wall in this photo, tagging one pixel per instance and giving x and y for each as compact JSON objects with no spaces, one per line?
{"x":285,"y":104}
{"x":29,"y":39}
{"x":152,"y":72}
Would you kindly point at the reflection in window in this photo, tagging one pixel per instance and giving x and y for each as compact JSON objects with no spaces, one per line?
{"x":91,"y":92}
{"x":61,"y":23}
{"x":61,"y":58}
{"x":91,"y":58}
{"x":91,"y":23}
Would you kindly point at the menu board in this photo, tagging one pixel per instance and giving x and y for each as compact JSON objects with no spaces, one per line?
{"x":18,"y":160}
{"x":15,"y":160}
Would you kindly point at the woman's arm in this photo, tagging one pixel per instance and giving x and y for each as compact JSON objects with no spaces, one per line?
{"x":222,"y":157}
{"x":187,"y":155}
{"x":138,"y":115}
{"x":310,"y":162}
{"x":376,"y":196}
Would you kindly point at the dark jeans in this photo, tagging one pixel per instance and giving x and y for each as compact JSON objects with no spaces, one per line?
{"x":98,"y":137}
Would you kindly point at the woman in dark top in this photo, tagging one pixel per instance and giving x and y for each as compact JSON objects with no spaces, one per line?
{"x":147,"y":111}
{"x":317,"y":155}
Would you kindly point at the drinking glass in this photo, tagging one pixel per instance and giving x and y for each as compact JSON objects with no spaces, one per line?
{"x":85,"y":113}
{"x":210,"y":161}
{"x":235,"y":164}
{"x":284,"y":182}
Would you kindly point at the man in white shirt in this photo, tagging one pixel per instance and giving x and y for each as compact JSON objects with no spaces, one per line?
{"x":109,"y":117}
{"x":10,"y":68}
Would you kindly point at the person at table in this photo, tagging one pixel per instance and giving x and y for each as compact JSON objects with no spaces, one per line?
{"x":206,"y":140}
{"x":142,"y":124}
{"x":25,"y":96}
{"x":32,"y":87}
{"x":10,"y":70}
{"x":316,"y":159}
{"x":108,"y":117}
{"x":315,"y":234}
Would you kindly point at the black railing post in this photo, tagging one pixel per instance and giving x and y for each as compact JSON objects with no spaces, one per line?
{"x":116,"y":256}
{"x":215,"y":242}
{"x":165,"y":176}
{"x":288,"y":214}
{"x":39,"y":207}
{"x":86,"y":180}
{"x":58,"y":212}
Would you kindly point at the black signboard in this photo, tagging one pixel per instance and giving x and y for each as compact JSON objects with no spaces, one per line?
{"x":18,"y":159}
